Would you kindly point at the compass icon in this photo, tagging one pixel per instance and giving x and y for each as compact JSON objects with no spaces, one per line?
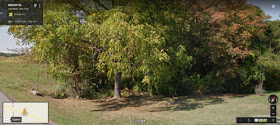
{"x":272,"y":99}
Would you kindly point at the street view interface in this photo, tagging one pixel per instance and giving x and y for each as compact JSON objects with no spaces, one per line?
{"x":126,"y":62}
{"x":21,"y":13}
{"x":25,"y":112}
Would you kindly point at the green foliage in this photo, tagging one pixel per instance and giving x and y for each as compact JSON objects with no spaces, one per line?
{"x":272,"y":79}
{"x":273,"y":36}
{"x":138,"y":46}
{"x":210,"y":84}
{"x":271,"y":64}
{"x":175,"y":47}
{"x":89,"y":91}
{"x":61,"y":92}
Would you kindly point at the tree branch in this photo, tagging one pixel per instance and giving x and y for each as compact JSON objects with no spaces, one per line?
{"x":78,"y":6}
{"x":101,"y":5}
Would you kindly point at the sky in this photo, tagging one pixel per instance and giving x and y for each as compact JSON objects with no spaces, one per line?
{"x":267,"y":7}
{"x":8,"y":41}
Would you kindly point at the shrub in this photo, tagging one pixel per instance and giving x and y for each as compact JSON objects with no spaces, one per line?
{"x":89,"y":91}
{"x":60,"y":93}
{"x":210,"y":84}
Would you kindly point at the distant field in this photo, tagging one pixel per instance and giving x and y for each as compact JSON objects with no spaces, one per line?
{"x":17,"y":80}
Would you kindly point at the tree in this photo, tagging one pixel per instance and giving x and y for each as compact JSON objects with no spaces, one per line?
{"x":223,"y":33}
{"x":172,"y":47}
{"x":57,"y":42}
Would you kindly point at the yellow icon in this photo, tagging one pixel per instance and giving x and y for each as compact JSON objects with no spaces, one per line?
{"x":24,"y":111}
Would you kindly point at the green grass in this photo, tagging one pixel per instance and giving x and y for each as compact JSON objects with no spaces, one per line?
{"x":17,"y":80}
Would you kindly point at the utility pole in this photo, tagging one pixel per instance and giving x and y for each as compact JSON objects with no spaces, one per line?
{"x":37,"y":87}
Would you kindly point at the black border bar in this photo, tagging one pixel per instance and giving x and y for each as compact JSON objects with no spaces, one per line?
{"x":252,"y":119}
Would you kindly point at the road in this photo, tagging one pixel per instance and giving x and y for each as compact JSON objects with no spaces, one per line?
{"x":4,"y":98}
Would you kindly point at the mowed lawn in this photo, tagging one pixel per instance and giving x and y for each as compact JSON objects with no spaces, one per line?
{"x":17,"y":80}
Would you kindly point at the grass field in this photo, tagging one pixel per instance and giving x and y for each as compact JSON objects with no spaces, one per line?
{"x":17,"y":80}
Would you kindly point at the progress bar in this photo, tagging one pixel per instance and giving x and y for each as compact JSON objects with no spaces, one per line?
{"x":256,"y":120}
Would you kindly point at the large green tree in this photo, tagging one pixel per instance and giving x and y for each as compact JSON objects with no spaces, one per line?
{"x":140,"y":37}
{"x":58,"y":42}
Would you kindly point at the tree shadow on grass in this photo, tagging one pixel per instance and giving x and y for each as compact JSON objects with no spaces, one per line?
{"x":158,"y":104}
{"x":188,"y":103}
{"x":131,"y":101}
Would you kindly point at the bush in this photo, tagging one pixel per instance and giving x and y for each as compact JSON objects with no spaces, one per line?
{"x":210,"y":84}
{"x":107,"y":93}
{"x":89,"y":91}
{"x":176,"y":87}
{"x":272,"y":82}
{"x":235,"y":85}
{"x":60,"y":93}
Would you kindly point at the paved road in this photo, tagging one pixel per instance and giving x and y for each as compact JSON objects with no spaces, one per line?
{"x":4,"y":98}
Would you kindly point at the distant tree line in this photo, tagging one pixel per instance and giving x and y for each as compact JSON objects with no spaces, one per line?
{"x":169,"y":48}
{"x":10,"y":54}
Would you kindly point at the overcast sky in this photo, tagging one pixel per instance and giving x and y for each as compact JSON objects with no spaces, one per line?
{"x":270,"y":7}
{"x":8,"y":41}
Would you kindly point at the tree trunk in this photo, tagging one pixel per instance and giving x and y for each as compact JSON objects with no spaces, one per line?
{"x":259,"y":88}
{"x":117,"y":94}
{"x":76,"y":73}
{"x":77,"y":81}
{"x":148,"y":89}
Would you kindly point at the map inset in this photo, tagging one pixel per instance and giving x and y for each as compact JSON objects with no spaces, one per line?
{"x":25,"y":112}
